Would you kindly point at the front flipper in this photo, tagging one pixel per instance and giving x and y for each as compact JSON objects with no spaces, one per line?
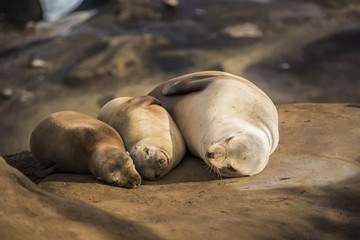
{"x":45,"y":172}
{"x":187,"y":85}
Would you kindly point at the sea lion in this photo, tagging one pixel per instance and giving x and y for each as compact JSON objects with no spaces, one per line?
{"x":74,"y":142}
{"x":225,"y":120}
{"x":149,"y":133}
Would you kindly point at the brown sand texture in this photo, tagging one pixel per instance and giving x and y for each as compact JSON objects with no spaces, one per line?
{"x":309,"y":190}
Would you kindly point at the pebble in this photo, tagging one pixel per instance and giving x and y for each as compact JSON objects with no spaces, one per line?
{"x":243,"y":30}
{"x":171,"y":3}
{"x":199,"y":12}
{"x":285,"y":65}
{"x":7,"y":93}
{"x":39,"y":63}
{"x":26,"y":96}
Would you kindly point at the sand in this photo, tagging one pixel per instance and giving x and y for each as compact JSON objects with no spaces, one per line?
{"x":309,"y":190}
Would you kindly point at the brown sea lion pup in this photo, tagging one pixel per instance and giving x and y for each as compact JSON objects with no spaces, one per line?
{"x":74,"y":142}
{"x":226,"y":120}
{"x":150,"y":134}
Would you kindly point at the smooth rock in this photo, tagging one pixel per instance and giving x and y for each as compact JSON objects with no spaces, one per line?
{"x":28,"y":212}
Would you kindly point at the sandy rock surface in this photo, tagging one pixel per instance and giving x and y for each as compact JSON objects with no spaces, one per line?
{"x":309,"y":190}
{"x":296,"y":51}
{"x":28,"y":212}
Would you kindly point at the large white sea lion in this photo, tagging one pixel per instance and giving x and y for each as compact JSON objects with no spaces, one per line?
{"x":149,"y":133}
{"x":74,"y":142}
{"x":226,"y":120}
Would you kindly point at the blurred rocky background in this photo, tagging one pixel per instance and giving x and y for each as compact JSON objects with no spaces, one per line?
{"x":77,"y":55}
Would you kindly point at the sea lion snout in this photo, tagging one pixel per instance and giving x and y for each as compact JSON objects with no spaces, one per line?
{"x":151,"y":162}
{"x":134,"y":181}
{"x":216,"y":153}
{"x":223,"y":157}
{"x":246,"y":154}
{"x":128,"y":178}
{"x":117,"y":168}
{"x":150,"y":153}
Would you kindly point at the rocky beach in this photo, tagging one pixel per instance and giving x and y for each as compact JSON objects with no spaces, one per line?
{"x":303,"y":54}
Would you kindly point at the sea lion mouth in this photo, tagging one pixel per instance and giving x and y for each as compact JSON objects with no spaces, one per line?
{"x":133,"y":185}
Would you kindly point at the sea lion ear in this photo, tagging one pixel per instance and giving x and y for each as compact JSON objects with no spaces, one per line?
{"x":147,"y":100}
{"x":187,"y":85}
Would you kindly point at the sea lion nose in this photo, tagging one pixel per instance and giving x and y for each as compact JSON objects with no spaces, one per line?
{"x":135,"y":182}
{"x":146,"y":150}
{"x":216,"y":152}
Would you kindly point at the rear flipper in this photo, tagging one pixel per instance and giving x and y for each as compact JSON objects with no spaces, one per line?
{"x":41,"y":173}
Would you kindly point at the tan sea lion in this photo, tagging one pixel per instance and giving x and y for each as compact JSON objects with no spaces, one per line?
{"x":149,"y":133}
{"x":225,"y":120}
{"x":74,"y":142}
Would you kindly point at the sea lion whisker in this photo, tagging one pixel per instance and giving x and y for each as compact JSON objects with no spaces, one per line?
{"x":209,"y":168}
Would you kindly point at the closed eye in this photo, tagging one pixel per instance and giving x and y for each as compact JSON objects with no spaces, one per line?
{"x":229,"y":138}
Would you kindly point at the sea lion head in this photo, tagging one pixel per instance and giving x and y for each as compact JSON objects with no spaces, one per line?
{"x":151,"y":162}
{"x":240,"y":154}
{"x":116,"y":167}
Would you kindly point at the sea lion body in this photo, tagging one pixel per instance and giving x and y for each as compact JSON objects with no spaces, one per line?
{"x":73,"y":142}
{"x":225,"y":120}
{"x":149,"y":133}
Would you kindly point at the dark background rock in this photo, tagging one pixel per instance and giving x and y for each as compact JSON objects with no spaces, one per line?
{"x":19,"y":12}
